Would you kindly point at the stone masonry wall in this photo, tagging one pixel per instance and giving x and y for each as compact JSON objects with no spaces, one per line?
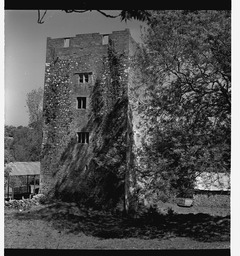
{"x":212,"y":200}
{"x":64,"y":162}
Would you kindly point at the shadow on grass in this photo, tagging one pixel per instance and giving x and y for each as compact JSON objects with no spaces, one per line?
{"x":104,"y":225}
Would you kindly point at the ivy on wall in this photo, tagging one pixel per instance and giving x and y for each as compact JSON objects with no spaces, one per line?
{"x":110,"y":93}
{"x":57,"y":112}
{"x":94,"y":174}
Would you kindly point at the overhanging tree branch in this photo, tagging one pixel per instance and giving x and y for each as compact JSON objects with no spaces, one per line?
{"x":78,"y":11}
{"x":141,"y":15}
{"x":108,"y":15}
{"x":40,"y":19}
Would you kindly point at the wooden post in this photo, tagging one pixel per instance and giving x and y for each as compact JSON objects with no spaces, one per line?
{"x":34,"y":184}
{"x":8,"y":184}
{"x":13,"y":191}
{"x":27,"y":185}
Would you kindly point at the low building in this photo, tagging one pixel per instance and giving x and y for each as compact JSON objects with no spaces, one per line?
{"x":23,"y":179}
{"x":212,"y":189}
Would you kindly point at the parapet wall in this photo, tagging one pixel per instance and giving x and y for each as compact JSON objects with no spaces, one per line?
{"x":88,"y":43}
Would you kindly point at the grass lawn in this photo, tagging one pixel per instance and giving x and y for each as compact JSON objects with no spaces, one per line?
{"x":66,"y":226}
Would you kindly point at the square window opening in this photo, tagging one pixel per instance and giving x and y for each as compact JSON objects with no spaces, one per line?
{"x":83,"y":137}
{"x":81,"y":102}
{"x":66,"y":42}
{"x":84,"y":77}
{"x":105,"y":39}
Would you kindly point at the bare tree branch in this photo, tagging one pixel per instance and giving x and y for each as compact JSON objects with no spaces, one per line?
{"x":40,"y":19}
{"x":78,"y":11}
{"x":125,"y":15}
{"x":108,"y":15}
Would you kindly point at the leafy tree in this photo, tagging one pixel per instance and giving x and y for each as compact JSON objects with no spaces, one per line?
{"x":35,"y":108}
{"x":24,"y":145}
{"x":9,"y":130}
{"x":8,"y":157}
{"x":8,"y":151}
{"x":21,"y":147}
{"x":185,"y":110}
{"x":8,"y":143}
{"x":21,"y":143}
{"x":7,"y":171}
{"x":35,"y":105}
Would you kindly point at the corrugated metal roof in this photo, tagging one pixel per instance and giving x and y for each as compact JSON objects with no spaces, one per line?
{"x":24,"y":168}
{"x":213,"y":181}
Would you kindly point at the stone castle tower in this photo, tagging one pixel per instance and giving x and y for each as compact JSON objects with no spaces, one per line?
{"x":86,"y":111}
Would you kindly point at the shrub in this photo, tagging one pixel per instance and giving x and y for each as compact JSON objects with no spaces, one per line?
{"x":41,"y":198}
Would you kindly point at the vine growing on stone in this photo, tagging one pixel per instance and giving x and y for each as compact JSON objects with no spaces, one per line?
{"x":57,"y":109}
{"x":93,"y":174}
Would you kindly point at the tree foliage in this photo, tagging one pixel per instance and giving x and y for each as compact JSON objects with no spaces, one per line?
{"x":110,"y":137}
{"x":23,"y":143}
{"x":8,"y":152}
{"x":186,"y":107}
{"x":35,"y":105}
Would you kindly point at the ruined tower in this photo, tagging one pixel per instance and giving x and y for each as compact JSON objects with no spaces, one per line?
{"x":86,"y":111}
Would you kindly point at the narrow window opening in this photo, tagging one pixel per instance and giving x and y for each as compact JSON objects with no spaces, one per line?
{"x":80,"y":78}
{"x":81,"y":102}
{"x":105,"y":39}
{"x":83,"y":137}
{"x":66,"y":42}
{"x":86,"y":77}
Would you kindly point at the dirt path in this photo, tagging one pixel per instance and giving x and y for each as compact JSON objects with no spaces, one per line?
{"x":50,"y":227}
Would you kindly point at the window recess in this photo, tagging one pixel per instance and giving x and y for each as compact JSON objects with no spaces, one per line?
{"x":66,"y":42}
{"x":81,"y":102}
{"x":105,"y":39}
{"x":83,"y":137}
{"x":84,"y":77}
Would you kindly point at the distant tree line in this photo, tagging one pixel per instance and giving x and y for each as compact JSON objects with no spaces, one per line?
{"x":23,"y":143}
